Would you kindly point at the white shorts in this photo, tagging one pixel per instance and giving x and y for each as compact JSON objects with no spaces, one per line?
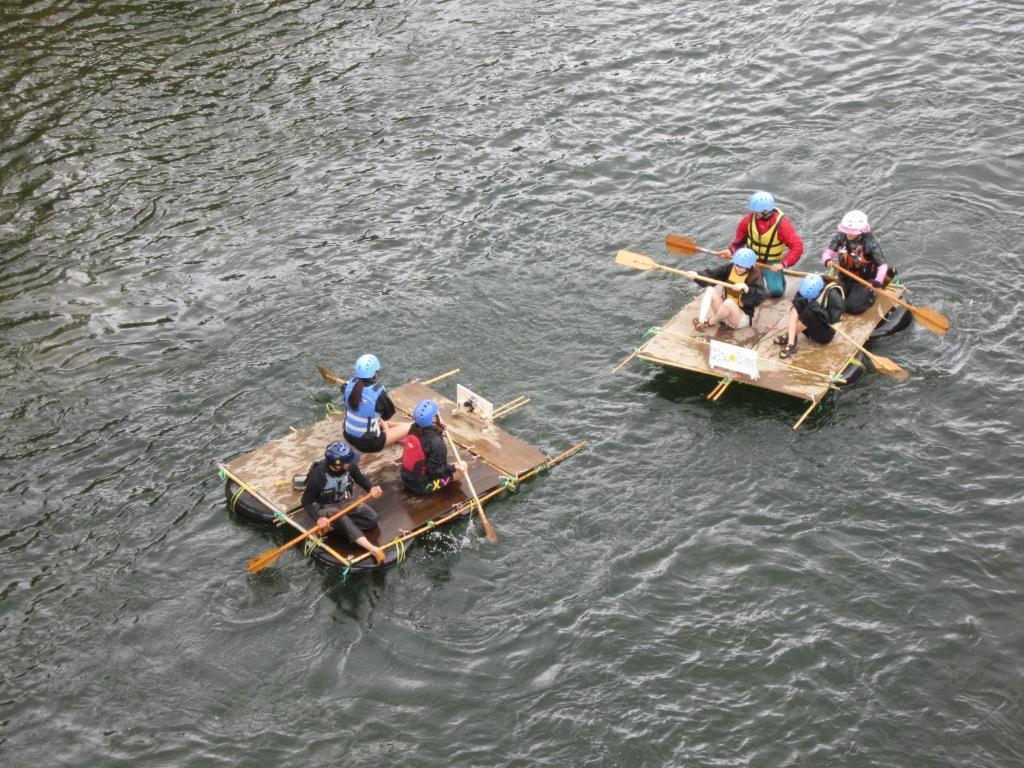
{"x":743,"y":323}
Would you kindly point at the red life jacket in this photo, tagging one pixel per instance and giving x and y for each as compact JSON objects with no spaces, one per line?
{"x":414,"y":460}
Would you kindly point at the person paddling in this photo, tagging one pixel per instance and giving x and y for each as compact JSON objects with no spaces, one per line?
{"x":329,"y":482}
{"x":368,"y":408}
{"x":855,"y":249}
{"x":733,"y":306}
{"x":770,"y":234}
{"x":425,"y":468}
{"x":816,"y":306}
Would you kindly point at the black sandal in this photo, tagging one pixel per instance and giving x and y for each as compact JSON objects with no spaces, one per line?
{"x":789,"y":351}
{"x":782,"y":340}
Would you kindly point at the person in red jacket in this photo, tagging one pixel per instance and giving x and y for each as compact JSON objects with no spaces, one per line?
{"x":770,"y":234}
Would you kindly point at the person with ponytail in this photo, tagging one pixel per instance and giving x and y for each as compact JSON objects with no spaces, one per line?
{"x":368,"y":408}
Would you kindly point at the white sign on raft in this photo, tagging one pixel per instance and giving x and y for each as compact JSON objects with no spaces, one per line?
{"x":734,"y":358}
{"x":470,"y":402}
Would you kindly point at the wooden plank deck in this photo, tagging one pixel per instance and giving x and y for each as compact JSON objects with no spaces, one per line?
{"x":691,"y":353}
{"x":268,"y":470}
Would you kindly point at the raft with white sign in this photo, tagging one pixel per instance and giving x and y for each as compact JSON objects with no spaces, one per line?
{"x":750,"y":355}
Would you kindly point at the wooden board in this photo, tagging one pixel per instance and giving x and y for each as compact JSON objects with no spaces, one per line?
{"x":268,"y":470}
{"x":770,"y":319}
{"x":492,"y":444}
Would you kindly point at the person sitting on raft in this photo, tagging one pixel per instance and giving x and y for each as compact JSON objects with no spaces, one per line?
{"x":855,"y":249}
{"x":329,"y":482}
{"x":768,"y":232}
{"x":733,"y":306}
{"x":366,"y":404}
{"x":425,"y":468}
{"x":816,"y":306}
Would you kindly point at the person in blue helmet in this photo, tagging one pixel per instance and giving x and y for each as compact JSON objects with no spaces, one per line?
{"x":328,"y":487}
{"x":368,"y":409}
{"x":733,"y":306}
{"x":771,"y":235}
{"x":817,"y":305}
{"x":425,"y":468}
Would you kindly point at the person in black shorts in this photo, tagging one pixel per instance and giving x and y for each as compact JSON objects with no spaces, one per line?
{"x":816,"y":306}
{"x":368,"y":408}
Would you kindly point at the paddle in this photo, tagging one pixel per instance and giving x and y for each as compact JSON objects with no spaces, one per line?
{"x":336,"y":379}
{"x":639,"y":261}
{"x":488,"y":528}
{"x":882,"y":363}
{"x":262,"y":561}
{"x":933,"y":321}
{"x":685,"y":245}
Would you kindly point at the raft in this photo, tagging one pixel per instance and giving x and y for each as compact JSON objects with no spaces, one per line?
{"x":811,"y":374}
{"x":259,"y":484}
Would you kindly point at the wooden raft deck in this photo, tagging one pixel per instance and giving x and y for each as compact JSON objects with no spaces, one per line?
{"x":770,"y":319}
{"x":491,"y":454}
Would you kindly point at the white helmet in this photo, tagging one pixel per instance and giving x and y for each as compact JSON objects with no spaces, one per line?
{"x":854,"y":223}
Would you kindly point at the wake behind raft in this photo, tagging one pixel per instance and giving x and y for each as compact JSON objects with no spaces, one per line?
{"x":749,"y":356}
{"x":259,"y":484}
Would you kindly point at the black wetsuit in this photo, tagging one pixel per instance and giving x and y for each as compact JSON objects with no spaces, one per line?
{"x":316,"y":497}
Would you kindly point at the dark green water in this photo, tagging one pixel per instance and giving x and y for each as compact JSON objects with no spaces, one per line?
{"x":203,"y":201}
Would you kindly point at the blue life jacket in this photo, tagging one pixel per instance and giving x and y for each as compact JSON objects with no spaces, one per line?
{"x":364,"y":420}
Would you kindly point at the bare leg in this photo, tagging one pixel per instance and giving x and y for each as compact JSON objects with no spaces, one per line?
{"x":730,"y":312}
{"x":707,"y":303}
{"x":377,"y":552}
{"x":794,"y":321}
{"x":395,"y":431}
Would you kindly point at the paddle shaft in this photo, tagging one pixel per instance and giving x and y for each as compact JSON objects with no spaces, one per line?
{"x":929,"y":318}
{"x":488,"y":529}
{"x":262,"y":561}
{"x":695,"y":276}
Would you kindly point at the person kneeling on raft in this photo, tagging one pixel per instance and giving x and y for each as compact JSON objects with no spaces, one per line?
{"x":425,"y":467}
{"x":734,"y":306}
{"x":816,"y":306}
{"x":329,"y":482}
{"x":856,"y":250}
{"x":366,"y":405}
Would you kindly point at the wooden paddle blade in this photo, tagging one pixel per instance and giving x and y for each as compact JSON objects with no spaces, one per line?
{"x":682,"y":244}
{"x":635,"y":260}
{"x":328,"y":376}
{"x":931,"y":320}
{"x":260,"y":562}
{"x":889,"y":367}
{"x":488,"y":528}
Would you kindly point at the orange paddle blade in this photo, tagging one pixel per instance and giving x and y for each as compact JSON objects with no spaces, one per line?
{"x":682,"y":244}
{"x":931,"y":320}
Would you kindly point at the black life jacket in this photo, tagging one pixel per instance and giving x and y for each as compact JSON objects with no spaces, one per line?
{"x":336,"y":488}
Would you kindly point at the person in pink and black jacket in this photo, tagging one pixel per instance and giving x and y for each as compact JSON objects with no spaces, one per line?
{"x":855,"y":249}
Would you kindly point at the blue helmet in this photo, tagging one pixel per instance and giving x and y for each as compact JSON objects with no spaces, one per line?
{"x":367,"y":366}
{"x":811,"y":286}
{"x":761,"y":202}
{"x":744,"y":257}
{"x":424,"y":412}
{"x":339,"y":453}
